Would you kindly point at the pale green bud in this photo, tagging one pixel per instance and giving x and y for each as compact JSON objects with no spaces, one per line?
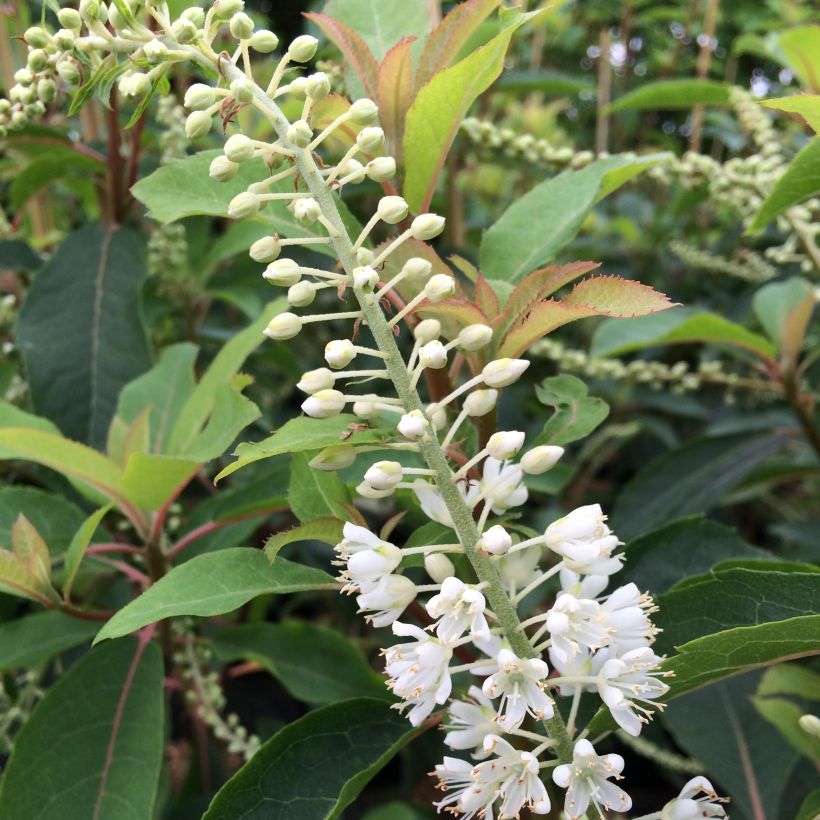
{"x":242,"y":90}
{"x":284,"y":326}
{"x":225,"y":9}
{"x":69,"y":18}
{"x":284,"y":272}
{"x":46,"y":90}
{"x":474,"y":337}
{"x":37,"y":60}
{"x":238,"y":148}
{"x":199,"y":96}
{"x":241,"y":26}
{"x":36,"y":37}
{"x":155,"y":51}
{"x":335,"y":457}
{"x":184,"y":31}
{"x":243,"y":205}
{"x":427,"y":226}
{"x":381,"y":169}
{"x":301,"y":294}
{"x":91,"y":10}
{"x":265,"y":249}
{"x":64,"y":39}
{"x":810,"y":724}
{"x":222,"y":169}
{"x":23,"y":76}
{"x":364,"y":112}
{"x":195,"y":14}
{"x":370,"y":139}
{"x":303,"y":48}
{"x":263,"y":41}
{"x":300,"y":133}
{"x":317,"y":86}
{"x":439,"y":567}
{"x":392,"y":209}
{"x":198,"y":124}
{"x":68,"y":71}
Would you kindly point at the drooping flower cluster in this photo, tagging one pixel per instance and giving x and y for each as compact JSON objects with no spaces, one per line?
{"x":595,"y":642}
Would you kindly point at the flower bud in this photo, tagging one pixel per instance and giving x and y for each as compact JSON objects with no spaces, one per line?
{"x":301,"y":294}
{"x":353,"y":170}
{"x":381,"y":169}
{"x":184,"y":31}
{"x":222,"y":170}
{"x":300,"y":134}
{"x":238,"y":148}
{"x":495,"y":541}
{"x":243,"y":205}
{"x":69,"y":18}
{"x":418,"y":269}
{"x":263,"y":41}
{"x":195,"y":14}
{"x":317,"y":86}
{"x":474,"y":337}
{"x":427,"y":330}
{"x":440,"y":287}
{"x":366,"y":491}
{"x":384,"y":475}
{"x":427,"y":226}
{"x":810,"y":724}
{"x":339,"y":353}
{"x":46,"y":90}
{"x":199,"y":96}
{"x":365,"y":408}
{"x":480,"y":402}
{"x":198,"y":124}
{"x":503,"y":372}
{"x":439,"y":567}
{"x":370,"y":139}
{"x":303,"y":48}
{"x":540,"y":459}
{"x":306,"y":210}
{"x":364,"y":256}
{"x":335,"y":457}
{"x":64,"y":39}
{"x":36,"y":37}
{"x":155,"y":51}
{"x":135,"y":84}
{"x":392,"y":209}
{"x":68,"y":71}
{"x":241,"y":26}
{"x":23,"y":76}
{"x":413,"y":425}
{"x":267,"y":249}
{"x":433,"y":355}
{"x":365,"y":277}
{"x":37,"y":60}
{"x":242,"y":90}
{"x":315,"y":380}
{"x":225,"y":9}
{"x":505,"y":444}
{"x":324,"y":404}
{"x":363,"y":112}
{"x":284,"y":326}
{"x":437,"y":416}
{"x":90,"y":11}
{"x":284,"y":272}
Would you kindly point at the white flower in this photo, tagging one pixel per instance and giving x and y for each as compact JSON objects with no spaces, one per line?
{"x":627,"y":612}
{"x":587,"y":779}
{"x":365,"y":277}
{"x":495,"y":541}
{"x":367,"y":566}
{"x":418,"y":671}
{"x":505,"y":444}
{"x":584,"y":541}
{"x":575,"y":623}
{"x":413,"y":425}
{"x":687,"y":806}
{"x":339,"y":353}
{"x":582,"y":586}
{"x":470,"y":721}
{"x":433,"y":355}
{"x":502,"y":486}
{"x":580,"y":665}
{"x":520,"y":567}
{"x":519,"y":684}
{"x":458,"y":607}
{"x":511,"y":776}
{"x":384,"y":475}
{"x":626,"y":682}
{"x":387,"y":599}
{"x":540,"y":459}
{"x":432,"y":504}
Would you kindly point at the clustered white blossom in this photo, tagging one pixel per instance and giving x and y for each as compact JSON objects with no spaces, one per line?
{"x":588,"y":640}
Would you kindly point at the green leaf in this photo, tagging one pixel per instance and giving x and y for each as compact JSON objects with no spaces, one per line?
{"x":801,"y":48}
{"x":690,"y":479}
{"x":151,"y":480}
{"x":774,"y":302}
{"x":576,"y":413}
{"x":667,"y":94}
{"x":43,"y":171}
{"x":806,"y":105}
{"x":440,"y":106}
{"x":800,"y":181}
{"x":16,"y":255}
{"x":81,"y":331}
{"x":353,"y":740}
{"x":679,"y":326}
{"x":227,"y":363}
{"x":33,"y":640}
{"x":328,"y":530}
{"x":539,"y":224}
{"x":213,"y":584}
{"x":55,"y":518}
{"x":164,"y":388}
{"x":93,"y":747}
{"x":810,"y":807}
{"x":77,"y":547}
{"x":315,"y":664}
{"x":545,"y":80}
{"x":381,"y":23}
{"x":315,"y":493}
{"x":396,"y":810}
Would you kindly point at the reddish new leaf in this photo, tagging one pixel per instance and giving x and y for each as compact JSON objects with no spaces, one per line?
{"x":355,"y":50}
{"x":453,"y":314}
{"x":448,"y":38}
{"x":485,"y":297}
{"x":395,"y":94}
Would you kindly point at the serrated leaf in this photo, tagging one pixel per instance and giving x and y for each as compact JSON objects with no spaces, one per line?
{"x":213,"y":584}
{"x":315,"y":664}
{"x":77,"y":547}
{"x":92,"y":750}
{"x":800,"y":181}
{"x":576,"y":414}
{"x":805,"y":105}
{"x":35,"y":639}
{"x":354,"y":739}
{"x":454,"y":314}
{"x":395,"y":94}
{"x":666,"y":94}
{"x":328,"y":530}
{"x":81,"y":331}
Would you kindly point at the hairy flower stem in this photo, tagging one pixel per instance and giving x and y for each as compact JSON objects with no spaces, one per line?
{"x":430,"y":449}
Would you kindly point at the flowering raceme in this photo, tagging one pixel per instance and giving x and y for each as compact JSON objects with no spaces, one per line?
{"x":587,"y":641}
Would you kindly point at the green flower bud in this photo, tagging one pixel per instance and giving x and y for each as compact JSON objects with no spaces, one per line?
{"x":242,"y":90}
{"x":194,"y":14}
{"x":364,"y":112}
{"x":68,"y":71}
{"x":317,"y":86}
{"x":300,"y":134}
{"x":91,"y":11}
{"x":36,"y":37}
{"x":222,"y":169}
{"x":155,"y":51}
{"x":371,"y":139}
{"x":37,"y":60}
{"x":265,"y":249}
{"x":184,"y":31}
{"x":303,"y":48}
{"x":241,"y":26}
{"x":238,"y":148}
{"x":225,"y":9}
{"x":381,"y":169}
{"x":18,"y":119}
{"x":263,"y":41}
{"x":199,"y":96}
{"x":198,"y":124}
{"x":69,"y":18}
{"x":243,"y":205}
{"x":64,"y":39}
{"x":116,"y":19}
{"x":46,"y":90}
{"x":23,"y":76}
